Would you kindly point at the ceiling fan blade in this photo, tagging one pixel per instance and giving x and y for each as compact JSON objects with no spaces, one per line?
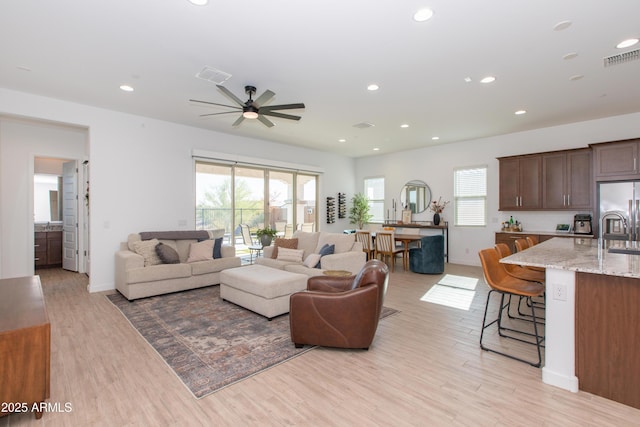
{"x":230,"y":95}
{"x":268,"y":123}
{"x":264,"y":98}
{"x":217,"y":114}
{"x":213,"y":103}
{"x":283,"y":107}
{"x":280,"y":115}
{"x":237,"y":122}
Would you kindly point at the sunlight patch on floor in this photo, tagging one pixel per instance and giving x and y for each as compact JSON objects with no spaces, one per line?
{"x":452,"y":291}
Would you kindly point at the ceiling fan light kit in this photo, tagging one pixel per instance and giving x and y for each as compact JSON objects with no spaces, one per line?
{"x":253,"y":108}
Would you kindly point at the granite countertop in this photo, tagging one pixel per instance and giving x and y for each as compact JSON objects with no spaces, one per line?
{"x":579,"y":254}
{"x":546,"y":233}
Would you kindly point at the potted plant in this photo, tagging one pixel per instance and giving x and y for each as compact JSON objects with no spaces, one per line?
{"x":437,"y":208}
{"x":359,"y":212}
{"x":266,"y":235}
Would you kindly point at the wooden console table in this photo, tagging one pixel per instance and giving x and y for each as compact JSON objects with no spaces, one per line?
{"x":25,"y":345}
{"x":443,"y":227}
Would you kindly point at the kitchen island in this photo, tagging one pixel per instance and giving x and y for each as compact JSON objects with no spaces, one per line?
{"x":592,"y":315}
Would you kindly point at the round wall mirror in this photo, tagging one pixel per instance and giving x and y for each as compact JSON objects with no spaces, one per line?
{"x":416,"y":196}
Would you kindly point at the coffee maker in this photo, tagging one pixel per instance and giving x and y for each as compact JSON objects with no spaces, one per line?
{"x":582,"y":224}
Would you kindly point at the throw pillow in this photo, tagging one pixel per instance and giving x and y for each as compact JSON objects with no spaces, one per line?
{"x":201,"y":251}
{"x":167,"y":254}
{"x":291,"y":255}
{"x":217,"y":248}
{"x":312,"y":260}
{"x":326,"y":250}
{"x":283,"y":243}
{"x":147,"y":248}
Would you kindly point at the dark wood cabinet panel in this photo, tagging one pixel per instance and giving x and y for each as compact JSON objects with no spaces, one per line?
{"x":520,"y":183}
{"x":567,"y":181}
{"x":607,"y":339}
{"x":48,"y":248}
{"x":40,"y":249}
{"x":616,"y":160}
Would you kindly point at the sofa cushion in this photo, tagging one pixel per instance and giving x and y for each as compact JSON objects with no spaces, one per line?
{"x":216,"y":234}
{"x":201,"y":251}
{"x":217,"y":248}
{"x":327,"y":249}
{"x":183,"y":247}
{"x":292,"y":255}
{"x":312,"y":260}
{"x":307,"y":241}
{"x":213,"y":265}
{"x":147,"y":248}
{"x":155,"y":273}
{"x":283,"y":243}
{"x":343,"y":242}
{"x":131,"y":239}
{"x":167,"y":254}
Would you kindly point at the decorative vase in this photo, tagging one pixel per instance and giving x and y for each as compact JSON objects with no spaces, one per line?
{"x":265,"y":240}
{"x":436,"y":218}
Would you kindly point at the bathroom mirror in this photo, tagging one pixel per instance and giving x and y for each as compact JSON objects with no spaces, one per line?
{"x":416,"y":196}
{"x":47,"y":203}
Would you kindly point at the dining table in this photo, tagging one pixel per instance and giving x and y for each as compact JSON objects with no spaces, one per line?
{"x":405,"y":239}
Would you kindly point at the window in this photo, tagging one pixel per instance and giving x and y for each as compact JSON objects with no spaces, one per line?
{"x":374,"y":190}
{"x":470,"y":196}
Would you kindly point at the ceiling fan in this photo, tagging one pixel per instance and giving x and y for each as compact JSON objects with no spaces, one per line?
{"x":253,"y":108}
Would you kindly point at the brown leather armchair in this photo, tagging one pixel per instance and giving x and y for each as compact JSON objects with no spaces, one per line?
{"x":340,"y":311}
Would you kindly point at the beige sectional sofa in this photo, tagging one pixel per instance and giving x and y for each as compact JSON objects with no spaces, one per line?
{"x":348,"y":254}
{"x":140,"y":272}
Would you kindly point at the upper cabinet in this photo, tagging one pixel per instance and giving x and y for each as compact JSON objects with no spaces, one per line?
{"x":616,"y":160}
{"x":560,"y":180}
{"x":567,"y":181}
{"x":520,"y":182}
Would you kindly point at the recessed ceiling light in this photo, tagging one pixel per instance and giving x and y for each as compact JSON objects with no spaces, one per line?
{"x":520,"y":112}
{"x":570,"y":55}
{"x":627,"y":43}
{"x":488,"y":79}
{"x":576,"y":77}
{"x":373,"y":87}
{"x":562,"y":25}
{"x":467,"y":79}
{"x":423,"y":15}
{"x":435,"y":138}
{"x":342,"y":140}
{"x":376,"y":149}
{"x":199,"y":2}
{"x":126,"y":88}
{"x":404,"y":125}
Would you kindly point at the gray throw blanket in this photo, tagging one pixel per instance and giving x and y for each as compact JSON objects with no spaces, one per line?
{"x":175,"y":235}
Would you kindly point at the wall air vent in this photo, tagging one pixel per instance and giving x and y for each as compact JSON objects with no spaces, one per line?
{"x":212,"y":75}
{"x":632,"y":55}
{"x":363,"y":125}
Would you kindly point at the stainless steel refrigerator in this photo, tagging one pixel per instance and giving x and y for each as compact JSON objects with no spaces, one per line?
{"x":618,"y":210}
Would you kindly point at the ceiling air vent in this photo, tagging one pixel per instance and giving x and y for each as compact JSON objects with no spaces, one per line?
{"x":622,"y":58}
{"x":212,"y":75}
{"x":363,"y":125}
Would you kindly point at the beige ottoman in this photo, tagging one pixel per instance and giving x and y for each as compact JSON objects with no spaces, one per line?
{"x":264,"y":290}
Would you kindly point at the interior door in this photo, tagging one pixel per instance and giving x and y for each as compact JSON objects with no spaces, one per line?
{"x":70,"y":216}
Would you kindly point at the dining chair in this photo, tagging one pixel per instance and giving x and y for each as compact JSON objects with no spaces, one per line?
{"x":532,"y":240}
{"x":499,"y":281}
{"x":249,"y":243}
{"x":307,"y":226}
{"x":386,"y":247}
{"x":523,"y":244}
{"x":364,"y":237}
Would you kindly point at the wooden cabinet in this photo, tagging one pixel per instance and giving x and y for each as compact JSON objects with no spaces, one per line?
{"x":616,"y":160}
{"x":510,"y":238}
{"x":567,"y":181}
{"x":48,"y":248}
{"x":25,"y":344}
{"x":520,"y":182}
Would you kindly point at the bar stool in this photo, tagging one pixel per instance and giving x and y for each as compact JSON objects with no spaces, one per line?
{"x":499,"y":281}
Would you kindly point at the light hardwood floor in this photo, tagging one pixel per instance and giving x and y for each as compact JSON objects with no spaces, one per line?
{"x":424,"y":368}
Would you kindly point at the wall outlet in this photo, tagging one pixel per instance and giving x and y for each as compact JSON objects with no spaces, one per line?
{"x":559,"y":292}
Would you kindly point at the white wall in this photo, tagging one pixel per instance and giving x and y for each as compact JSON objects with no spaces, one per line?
{"x":142,"y":176}
{"x":435,"y":166}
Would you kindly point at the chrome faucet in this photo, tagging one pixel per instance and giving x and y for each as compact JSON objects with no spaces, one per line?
{"x":620,"y":215}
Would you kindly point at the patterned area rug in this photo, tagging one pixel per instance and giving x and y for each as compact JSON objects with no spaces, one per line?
{"x":208,"y":343}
